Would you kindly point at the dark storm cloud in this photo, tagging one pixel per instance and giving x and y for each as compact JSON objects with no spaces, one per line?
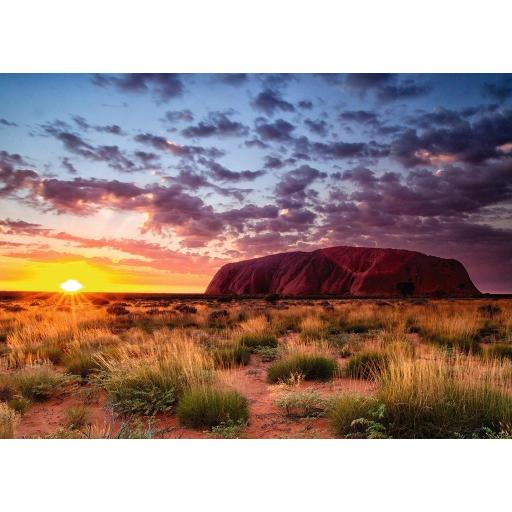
{"x":403,"y":90}
{"x":4,"y":122}
{"x":339,"y":150}
{"x":218,"y":124}
{"x":163,"y":86}
{"x":499,"y":91}
{"x":183,"y":151}
{"x":366,"y":81}
{"x":269,"y":101}
{"x":474,"y":141}
{"x":318,"y":126}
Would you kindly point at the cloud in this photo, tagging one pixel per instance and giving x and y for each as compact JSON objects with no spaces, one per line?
{"x":219,"y":172}
{"x":269,"y":101}
{"x":290,"y":191}
{"x":499,"y":91}
{"x":318,"y":126}
{"x":162,"y":86}
{"x":217,"y":124}
{"x":456,"y":140}
{"x":279,"y":130}
{"x":4,"y":122}
{"x":180,"y":150}
{"x":175,"y":116}
{"x":234,"y":79}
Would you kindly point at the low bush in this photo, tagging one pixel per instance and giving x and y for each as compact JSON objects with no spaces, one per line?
{"x":9,"y":420}
{"x":228,"y":430}
{"x":207,"y":407}
{"x":266,"y":353}
{"x":367,"y":365}
{"x":302,"y":404}
{"x":7,"y":389}
{"x":310,"y":366}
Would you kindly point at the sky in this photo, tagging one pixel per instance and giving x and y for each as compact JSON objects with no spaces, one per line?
{"x":151,"y":182}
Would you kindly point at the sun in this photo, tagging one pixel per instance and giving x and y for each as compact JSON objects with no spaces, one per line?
{"x":71,"y":286}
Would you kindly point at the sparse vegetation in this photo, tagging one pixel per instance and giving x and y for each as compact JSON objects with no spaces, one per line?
{"x":426,"y":368}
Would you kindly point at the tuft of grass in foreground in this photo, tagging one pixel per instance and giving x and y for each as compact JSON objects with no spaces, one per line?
{"x":355,"y":416}
{"x":77,"y":417}
{"x":19,"y":403}
{"x":39,"y":384}
{"x":9,"y":420}
{"x":144,"y":389}
{"x":312,"y":328}
{"x":310,"y":366}
{"x":367,"y":365}
{"x":207,"y":407}
{"x":81,"y":363}
{"x":500,"y":351}
{"x":229,"y":356}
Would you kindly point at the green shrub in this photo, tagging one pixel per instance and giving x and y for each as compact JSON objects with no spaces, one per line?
{"x":311,"y":367}
{"x":500,"y":351}
{"x":302,"y":403}
{"x":9,"y":419}
{"x":464,"y":344}
{"x":145,"y":389}
{"x":39,"y":384}
{"x":255,"y":341}
{"x":19,"y":403}
{"x":77,"y":417}
{"x":229,"y":356}
{"x":367,"y":365}
{"x":207,"y":407}
{"x":81,"y":363}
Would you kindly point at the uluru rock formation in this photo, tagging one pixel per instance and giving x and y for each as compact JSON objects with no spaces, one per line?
{"x":351,"y":271}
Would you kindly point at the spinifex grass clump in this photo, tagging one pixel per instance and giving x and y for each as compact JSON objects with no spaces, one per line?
{"x":77,"y":417}
{"x":312,"y":328}
{"x":309,"y":366}
{"x":9,"y":419}
{"x":39,"y":384}
{"x":500,"y":351}
{"x":367,"y":365}
{"x":445,"y":398}
{"x":82,"y":363}
{"x":228,"y":356}
{"x":348,"y":413}
{"x":256,"y":332}
{"x":144,"y":389}
{"x":207,"y":407}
